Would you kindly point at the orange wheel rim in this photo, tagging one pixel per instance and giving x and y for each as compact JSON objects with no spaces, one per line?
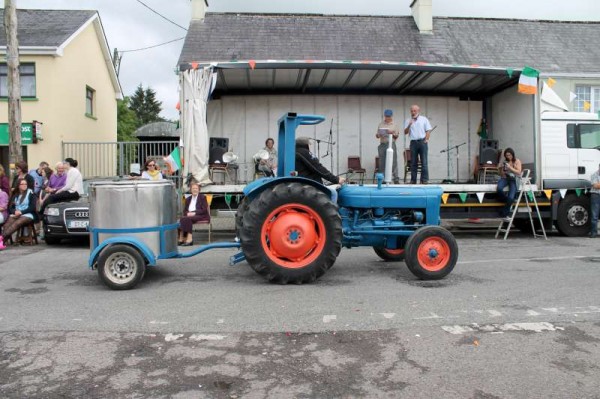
{"x":293,"y":236}
{"x":433,"y":254}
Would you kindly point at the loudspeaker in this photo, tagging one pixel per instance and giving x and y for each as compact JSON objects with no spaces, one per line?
{"x":222,"y":142}
{"x":488,"y":151}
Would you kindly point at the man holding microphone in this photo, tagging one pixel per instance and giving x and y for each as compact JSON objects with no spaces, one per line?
{"x":418,"y":128}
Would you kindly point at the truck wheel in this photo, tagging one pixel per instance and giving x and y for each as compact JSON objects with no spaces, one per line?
{"x":291,"y":233}
{"x":391,"y":255}
{"x":574,"y":218}
{"x":121,"y":267}
{"x":431,"y":253}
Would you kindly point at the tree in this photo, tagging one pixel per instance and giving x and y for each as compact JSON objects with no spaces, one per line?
{"x":146,"y":107}
{"x":127,"y":121}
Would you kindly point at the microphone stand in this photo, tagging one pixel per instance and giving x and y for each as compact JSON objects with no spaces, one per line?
{"x":457,"y":157}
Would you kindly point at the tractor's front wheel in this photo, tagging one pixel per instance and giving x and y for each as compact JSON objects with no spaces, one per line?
{"x":291,"y":233}
{"x":431,"y":253}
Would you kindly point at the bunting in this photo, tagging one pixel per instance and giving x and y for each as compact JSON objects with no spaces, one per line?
{"x":445,"y":197}
{"x":463,"y":196}
{"x":562,"y":191}
{"x":530,"y":195}
{"x":587,"y":105}
{"x":228,"y":199}
{"x":209,"y":198}
{"x":550,"y":82}
{"x":578,"y":191}
{"x":480,"y":197}
{"x":548,"y":193}
{"x":572,"y":96}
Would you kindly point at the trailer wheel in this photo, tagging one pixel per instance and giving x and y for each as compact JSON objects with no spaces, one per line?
{"x":574,"y":218}
{"x":121,"y":267}
{"x":431,"y":253}
{"x":391,"y":255}
{"x":291,"y":233}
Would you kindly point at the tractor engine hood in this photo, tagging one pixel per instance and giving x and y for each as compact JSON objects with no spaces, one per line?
{"x":390,"y":197}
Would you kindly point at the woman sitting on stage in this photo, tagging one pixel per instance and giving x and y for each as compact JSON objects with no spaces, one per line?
{"x":510,"y":169}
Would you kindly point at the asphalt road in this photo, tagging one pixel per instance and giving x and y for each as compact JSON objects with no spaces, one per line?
{"x":516,"y":319}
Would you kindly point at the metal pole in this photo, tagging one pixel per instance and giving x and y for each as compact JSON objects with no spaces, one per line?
{"x":14,"y":83}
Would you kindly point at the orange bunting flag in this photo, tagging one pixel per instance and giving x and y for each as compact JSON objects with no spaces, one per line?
{"x":550,"y":82}
{"x":445,"y":197}
{"x":209,"y":198}
{"x":178,"y":106}
{"x":194,"y":65}
{"x":548,"y":193}
{"x":587,"y":105}
{"x":252,"y":64}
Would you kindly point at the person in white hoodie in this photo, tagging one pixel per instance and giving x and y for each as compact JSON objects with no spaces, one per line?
{"x":72,"y":189}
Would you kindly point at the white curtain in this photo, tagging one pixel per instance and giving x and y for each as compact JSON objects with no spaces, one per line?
{"x":196,"y":84}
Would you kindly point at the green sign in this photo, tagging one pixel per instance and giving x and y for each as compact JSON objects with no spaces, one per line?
{"x":26,"y":133}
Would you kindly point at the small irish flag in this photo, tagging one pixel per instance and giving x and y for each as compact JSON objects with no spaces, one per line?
{"x":173,"y":161}
{"x":528,"y":81}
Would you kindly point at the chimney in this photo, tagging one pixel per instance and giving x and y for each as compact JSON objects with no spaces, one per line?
{"x":199,"y":9}
{"x":421,"y":12}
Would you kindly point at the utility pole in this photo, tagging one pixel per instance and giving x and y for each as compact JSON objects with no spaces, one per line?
{"x":15,"y":153}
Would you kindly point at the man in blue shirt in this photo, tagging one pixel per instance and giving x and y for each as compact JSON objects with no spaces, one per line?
{"x":418,"y":128}
{"x":37,"y":177}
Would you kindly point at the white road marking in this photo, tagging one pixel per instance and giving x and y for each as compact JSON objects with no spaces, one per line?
{"x":329,"y":317}
{"x":77,"y":319}
{"x":172,"y":337}
{"x":533,"y":313}
{"x":159,"y":322}
{"x":220,"y":321}
{"x":388,"y":315}
{"x":498,"y":328}
{"x":207,"y":337}
{"x":494,"y":313}
{"x":469,"y":262}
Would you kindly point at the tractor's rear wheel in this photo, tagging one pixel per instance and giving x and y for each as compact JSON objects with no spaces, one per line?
{"x":239,"y":215}
{"x":431,"y":253}
{"x":291,"y":233}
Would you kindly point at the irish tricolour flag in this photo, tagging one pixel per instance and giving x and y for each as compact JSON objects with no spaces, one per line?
{"x":528,"y":81}
{"x":173,"y":161}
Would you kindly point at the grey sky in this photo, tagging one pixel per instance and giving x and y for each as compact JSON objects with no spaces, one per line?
{"x":129,"y":25}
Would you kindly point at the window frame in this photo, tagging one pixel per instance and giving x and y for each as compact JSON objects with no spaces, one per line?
{"x":574,"y":131}
{"x":90,"y":98}
{"x":592,"y":100}
{"x":4,"y":76}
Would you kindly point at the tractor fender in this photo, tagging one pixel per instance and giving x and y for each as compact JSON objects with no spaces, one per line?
{"x":252,"y":190}
{"x":131,"y":241}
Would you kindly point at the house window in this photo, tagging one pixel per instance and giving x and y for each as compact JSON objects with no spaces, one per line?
{"x":90,"y":98}
{"x":590,"y":94}
{"x":27,"y":75}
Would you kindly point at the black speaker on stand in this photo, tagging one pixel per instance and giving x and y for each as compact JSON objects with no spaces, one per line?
{"x":217,"y":147}
{"x":488,"y":152}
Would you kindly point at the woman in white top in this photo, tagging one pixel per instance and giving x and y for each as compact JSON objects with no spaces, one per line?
{"x":72,"y":189}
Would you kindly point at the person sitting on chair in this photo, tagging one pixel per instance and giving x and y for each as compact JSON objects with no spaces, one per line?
{"x":307,"y":165}
{"x":22,"y":210}
{"x":269,"y":166}
{"x":194,"y":211}
{"x":509,"y":170}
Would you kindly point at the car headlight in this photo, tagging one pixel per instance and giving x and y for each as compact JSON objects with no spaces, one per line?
{"x":51,"y":212}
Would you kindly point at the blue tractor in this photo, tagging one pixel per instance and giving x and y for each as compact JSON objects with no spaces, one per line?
{"x":292,"y":229}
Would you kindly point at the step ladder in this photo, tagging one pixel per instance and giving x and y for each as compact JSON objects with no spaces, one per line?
{"x":524,"y":192}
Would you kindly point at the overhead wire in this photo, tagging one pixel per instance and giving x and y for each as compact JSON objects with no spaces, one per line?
{"x":149,"y":47}
{"x":160,"y":15}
